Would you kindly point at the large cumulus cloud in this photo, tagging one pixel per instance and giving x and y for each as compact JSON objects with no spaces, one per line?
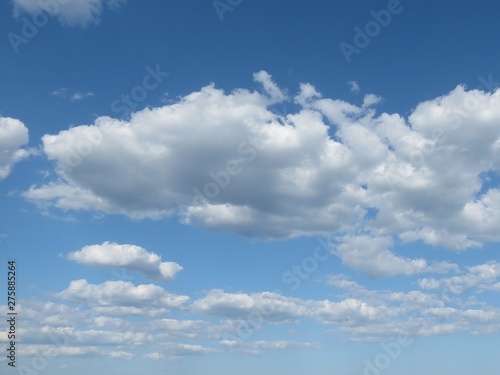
{"x":228,"y":161}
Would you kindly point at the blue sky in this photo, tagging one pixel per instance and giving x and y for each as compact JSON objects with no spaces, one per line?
{"x":193,"y":187}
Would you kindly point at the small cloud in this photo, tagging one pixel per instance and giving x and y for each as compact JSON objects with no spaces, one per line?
{"x":129,"y":257}
{"x":371,"y":99}
{"x":73,"y":96}
{"x":81,"y":95}
{"x":155,"y":356}
{"x":353,"y":86}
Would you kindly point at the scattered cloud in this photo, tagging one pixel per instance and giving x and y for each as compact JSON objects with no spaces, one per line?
{"x":481,"y":277}
{"x":121,"y":294}
{"x":86,"y":325}
{"x":129,"y":257}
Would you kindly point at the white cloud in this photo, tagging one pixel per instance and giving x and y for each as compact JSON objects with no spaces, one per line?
{"x":321,"y":170}
{"x":129,"y":257}
{"x":72,"y":13}
{"x":13,"y":135}
{"x":273,"y":307}
{"x":177,"y":351}
{"x":71,"y":95}
{"x":353,"y":86}
{"x":155,"y":356}
{"x":482,"y":277}
{"x":274,"y":92}
{"x":373,"y":256}
{"x":364,"y":315}
{"x":121,"y":293}
{"x":256,"y":347}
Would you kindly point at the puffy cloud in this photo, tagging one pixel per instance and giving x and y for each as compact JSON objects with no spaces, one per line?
{"x":13,"y":135}
{"x":70,"y":13}
{"x":129,"y":257}
{"x":331,"y":167}
{"x":121,"y":294}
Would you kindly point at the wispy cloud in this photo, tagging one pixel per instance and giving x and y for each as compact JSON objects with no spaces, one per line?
{"x":353,"y":86}
{"x":73,"y":96}
{"x":75,"y":13}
